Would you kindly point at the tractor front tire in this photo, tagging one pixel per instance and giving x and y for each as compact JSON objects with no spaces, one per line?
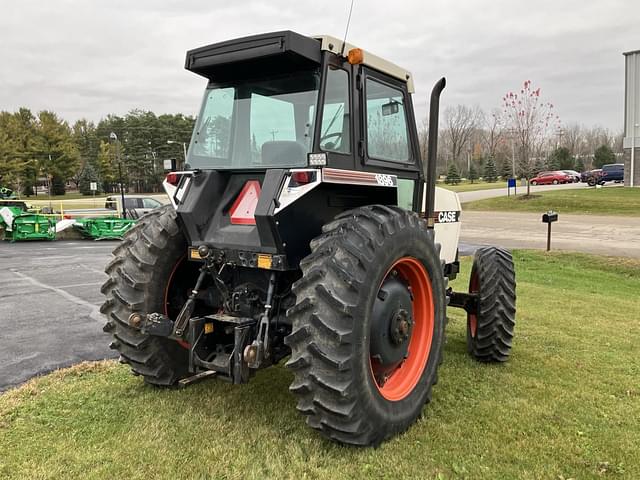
{"x":372,"y":257}
{"x":139,"y":276}
{"x":490,"y":329}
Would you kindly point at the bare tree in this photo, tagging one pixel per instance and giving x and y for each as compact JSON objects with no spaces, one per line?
{"x":460,"y":122}
{"x":573,"y":139}
{"x":493,"y":132}
{"x":423,"y":138}
{"x":616,"y":142}
{"x":531,"y":120}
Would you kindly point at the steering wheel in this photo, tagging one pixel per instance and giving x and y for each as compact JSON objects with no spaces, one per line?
{"x":338,"y":136}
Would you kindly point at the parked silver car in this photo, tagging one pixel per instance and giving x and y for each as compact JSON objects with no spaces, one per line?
{"x":135,"y":205}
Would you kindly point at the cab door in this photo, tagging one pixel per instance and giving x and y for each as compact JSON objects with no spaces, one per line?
{"x":388,"y":134}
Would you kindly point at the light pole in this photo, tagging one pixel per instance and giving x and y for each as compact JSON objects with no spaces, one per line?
{"x":184,"y":149}
{"x":114,"y":138}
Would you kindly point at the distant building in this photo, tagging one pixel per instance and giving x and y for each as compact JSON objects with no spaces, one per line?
{"x":631,"y":141}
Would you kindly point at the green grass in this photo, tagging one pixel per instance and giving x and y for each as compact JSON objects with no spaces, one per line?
{"x":565,"y":406}
{"x":467,"y":186}
{"x":601,"y":201}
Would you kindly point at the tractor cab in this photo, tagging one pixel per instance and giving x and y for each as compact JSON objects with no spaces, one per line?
{"x":290,"y":119}
{"x":273,"y":100}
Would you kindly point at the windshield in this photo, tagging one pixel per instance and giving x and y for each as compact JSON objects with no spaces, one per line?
{"x":256,"y":123}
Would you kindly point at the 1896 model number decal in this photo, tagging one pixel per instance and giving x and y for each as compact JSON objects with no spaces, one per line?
{"x":386,"y":180}
{"x":447,"y":217}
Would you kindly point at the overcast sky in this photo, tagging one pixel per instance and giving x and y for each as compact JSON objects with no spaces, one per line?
{"x":92,"y":58}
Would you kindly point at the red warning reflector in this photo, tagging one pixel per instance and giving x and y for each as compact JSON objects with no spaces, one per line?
{"x":244,"y":207}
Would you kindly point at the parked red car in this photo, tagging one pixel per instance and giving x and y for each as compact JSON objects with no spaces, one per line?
{"x":551,"y":178}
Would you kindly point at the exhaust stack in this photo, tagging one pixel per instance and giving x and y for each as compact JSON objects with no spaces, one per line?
{"x":432,"y":149}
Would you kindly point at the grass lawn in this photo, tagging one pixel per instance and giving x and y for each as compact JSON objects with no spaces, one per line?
{"x":601,"y":201}
{"x":565,"y":406}
{"x":467,"y":186}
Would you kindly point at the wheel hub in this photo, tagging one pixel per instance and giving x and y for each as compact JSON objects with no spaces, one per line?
{"x":400,"y":327}
{"x":391,"y":326}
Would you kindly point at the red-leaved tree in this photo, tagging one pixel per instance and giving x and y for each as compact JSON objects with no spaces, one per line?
{"x":531,"y":121}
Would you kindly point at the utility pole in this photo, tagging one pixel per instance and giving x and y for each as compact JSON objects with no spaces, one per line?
{"x":559,"y":134}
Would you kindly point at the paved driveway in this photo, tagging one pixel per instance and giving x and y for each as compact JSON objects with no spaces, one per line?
{"x":604,"y":235}
{"x":49,"y":307}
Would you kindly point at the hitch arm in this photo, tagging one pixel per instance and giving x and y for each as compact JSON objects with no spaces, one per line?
{"x":466,"y":301}
{"x":190,"y":305}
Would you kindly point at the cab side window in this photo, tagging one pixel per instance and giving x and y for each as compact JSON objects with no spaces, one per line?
{"x":387,"y":134}
{"x":335,"y":134}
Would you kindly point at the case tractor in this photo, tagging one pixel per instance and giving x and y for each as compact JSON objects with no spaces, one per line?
{"x":305,"y":226}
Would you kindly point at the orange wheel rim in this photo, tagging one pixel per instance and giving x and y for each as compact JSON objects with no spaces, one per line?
{"x":403,"y":380}
{"x":474,"y":286}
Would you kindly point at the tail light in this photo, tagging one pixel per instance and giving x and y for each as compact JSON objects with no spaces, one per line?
{"x":173,"y":178}
{"x":302,"y":178}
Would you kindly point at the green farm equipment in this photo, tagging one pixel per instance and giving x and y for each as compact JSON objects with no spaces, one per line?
{"x":6,"y":192}
{"x":103,"y":228}
{"x":31,"y":226}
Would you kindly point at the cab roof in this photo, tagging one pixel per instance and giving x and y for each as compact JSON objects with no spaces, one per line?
{"x":334,"y":45}
{"x":278,"y":51}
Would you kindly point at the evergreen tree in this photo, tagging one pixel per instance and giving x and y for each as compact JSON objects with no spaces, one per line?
{"x":552,"y":163}
{"x":88,"y":175}
{"x":58,"y":186}
{"x":603,"y":156}
{"x":473,"y":174}
{"x":490,"y":172}
{"x":579,"y":165}
{"x":504,"y":169}
{"x":561,"y":159}
{"x":540,"y":165}
{"x":107,"y":170}
{"x":453,"y":177}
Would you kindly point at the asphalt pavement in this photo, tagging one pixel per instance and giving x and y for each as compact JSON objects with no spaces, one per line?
{"x":597,"y":234}
{"x":49,"y":307}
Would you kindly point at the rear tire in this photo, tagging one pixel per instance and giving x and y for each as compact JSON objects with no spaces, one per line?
{"x":490,"y":330}
{"x":534,"y":183}
{"x":332,"y":325}
{"x":555,"y":182}
{"x":138,"y":278}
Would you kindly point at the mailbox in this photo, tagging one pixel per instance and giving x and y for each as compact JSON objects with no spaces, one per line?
{"x":550,"y":217}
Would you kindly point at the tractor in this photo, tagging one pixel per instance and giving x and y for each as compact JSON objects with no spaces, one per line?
{"x":304,"y":226}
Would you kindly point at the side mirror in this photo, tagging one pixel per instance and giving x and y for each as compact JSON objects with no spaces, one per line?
{"x":390,"y":108}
